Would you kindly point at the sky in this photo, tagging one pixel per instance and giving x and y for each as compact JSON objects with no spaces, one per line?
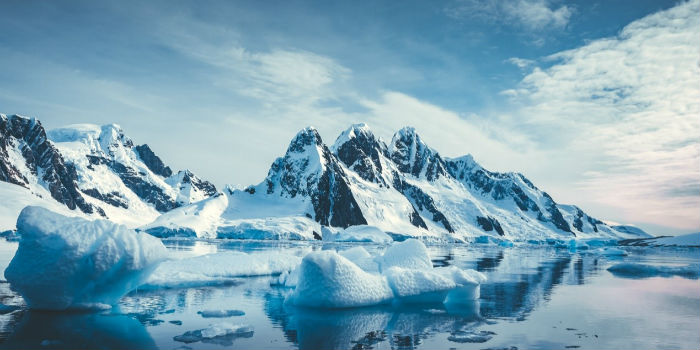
{"x":597,"y":102}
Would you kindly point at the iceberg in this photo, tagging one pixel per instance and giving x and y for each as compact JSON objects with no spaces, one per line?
{"x":358,"y":233}
{"x":409,"y":254}
{"x":610,"y":251}
{"x":418,"y":286}
{"x":69,"y":262}
{"x":220,"y":333}
{"x":328,"y":280}
{"x":218,"y":269}
{"x":361,"y":258}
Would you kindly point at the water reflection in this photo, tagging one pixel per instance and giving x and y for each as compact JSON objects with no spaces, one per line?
{"x":65,"y":330}
{"x":520,"y":281}
{"x":362,"y":328}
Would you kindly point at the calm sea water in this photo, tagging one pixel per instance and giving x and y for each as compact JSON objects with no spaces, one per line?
{"x":536,"y":298}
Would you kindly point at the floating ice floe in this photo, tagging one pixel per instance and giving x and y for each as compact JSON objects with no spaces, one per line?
{"x":357,"y":233}
{"x":220,"y":313}
{"x":219,"y":269}
{"x":404,"y":274}
{"x":610,"y":251}
{"x":637,"y":270}
{"x":65,"y":262}
{"x":220,"y":333}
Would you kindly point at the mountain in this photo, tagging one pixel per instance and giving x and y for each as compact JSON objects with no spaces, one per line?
{"x":30,"y":160}
{"x":96,"y":170}
{"x":405,"y":188}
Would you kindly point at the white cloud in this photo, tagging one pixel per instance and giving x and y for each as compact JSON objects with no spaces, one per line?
{"x":632,"y":101}
{"x":521,"y":63}
{"x":534,"y":15}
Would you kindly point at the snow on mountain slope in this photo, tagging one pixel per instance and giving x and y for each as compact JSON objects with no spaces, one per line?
{"x":632,"y":230}
{"x":309,"y":170}
{"x":371,"y":175}
{"x":240,"y":214}
{"x":29,"y":160}
{"x":689,"y":240}
{"x":129,"y":182}
{"x":406,"y":189}
{"x":15,"y":198}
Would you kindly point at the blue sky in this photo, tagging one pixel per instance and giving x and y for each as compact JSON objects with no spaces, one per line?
{"x":595,"y":101}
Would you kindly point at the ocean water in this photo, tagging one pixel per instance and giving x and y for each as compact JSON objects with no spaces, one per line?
{"x":537,"y":297}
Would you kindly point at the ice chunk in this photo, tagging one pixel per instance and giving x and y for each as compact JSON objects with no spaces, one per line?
{"x":220,"y":313}
{"x":409,"y":254}
{"x":219,"y":268}
{"x":471,"y":336}
{"x":610,"y":251}
{"x":506,"y":243}
{"x":64,"y":262}
{"x":418,"y":286}
{"x":358,"y":233}
{"x":468,"y":284}
{"x":600,"y":242}
{"x":577,"y":245}
{"x":636,"y":270}
{"x":328,"y":280}
{"x":361,"y":258}
{"x":220,"y":333}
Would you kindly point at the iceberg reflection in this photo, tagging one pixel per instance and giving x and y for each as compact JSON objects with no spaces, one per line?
{"x":74,"y":330}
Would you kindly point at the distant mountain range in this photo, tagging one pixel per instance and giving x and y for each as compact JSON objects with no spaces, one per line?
{"x":405,"y":188}
{"x":96,"y":170}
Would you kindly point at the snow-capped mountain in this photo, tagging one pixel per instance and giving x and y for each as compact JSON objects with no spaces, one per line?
{"x":30,"y":160}
{"x":405,"y":188}
{"x":96,"y":169}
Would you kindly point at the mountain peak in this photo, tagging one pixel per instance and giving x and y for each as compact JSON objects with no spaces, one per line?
{"x":360,"y":130}
{"x":306,"y":137}
{"x":413,"y":156}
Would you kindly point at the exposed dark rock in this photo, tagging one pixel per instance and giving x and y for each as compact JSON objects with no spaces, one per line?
{"x":41,"y":158}
{"x":412,"y":156}
{"x":152,"y":161}
{"x":490,"y":224}
{"x":422,"y":201}
{"x":112,"y":198}
{"x":325,"y":184}
{"x":362,"y":153}
{"x":201,"y":185}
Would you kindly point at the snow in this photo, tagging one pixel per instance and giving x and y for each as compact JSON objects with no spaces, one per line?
{"x":328,"y":280}
{"x":200,"y":219}
{"x":638,"y":270}
{"x":64,"y":262}
{"x":409,"y":254}
{"x":631,"y":230}
{"x":359,"y":233}
{"x":15,"y":198}
{"x":236,"y":214}
{"x":218,"y":268}
{"x":689,"y":240}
